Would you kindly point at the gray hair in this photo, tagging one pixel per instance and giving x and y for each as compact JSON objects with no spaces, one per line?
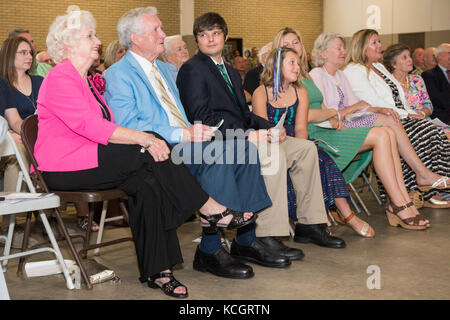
{"x":167,"y":41}
{"x":321,"y":44}
{"x":130,"y":23}
{"x":265,"y":49}
{"x":16,"y":32}
{"x":440,"y":49}
{"x":66,"y":31}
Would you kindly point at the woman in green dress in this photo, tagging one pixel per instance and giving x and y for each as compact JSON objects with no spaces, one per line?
{"x":352,"y":141}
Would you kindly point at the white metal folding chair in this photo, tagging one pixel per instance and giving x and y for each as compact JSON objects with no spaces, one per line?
{"x":9,"y":147}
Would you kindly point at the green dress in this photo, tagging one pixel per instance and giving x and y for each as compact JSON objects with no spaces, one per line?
{"x":348,"y":141}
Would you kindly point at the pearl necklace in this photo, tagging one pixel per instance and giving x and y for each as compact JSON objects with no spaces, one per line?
{"x":405,"y":84}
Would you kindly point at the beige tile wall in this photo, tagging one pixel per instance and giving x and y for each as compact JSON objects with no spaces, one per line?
{"x":38,"y":15}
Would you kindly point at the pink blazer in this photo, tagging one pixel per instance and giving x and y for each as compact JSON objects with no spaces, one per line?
{"x":70,"y":122}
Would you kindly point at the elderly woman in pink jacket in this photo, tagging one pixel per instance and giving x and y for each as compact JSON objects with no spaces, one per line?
{"x":80,"y":147}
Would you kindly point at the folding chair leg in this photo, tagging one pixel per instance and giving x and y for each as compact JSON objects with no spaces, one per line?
{"x":333,"y":221}
{"x":59,"y":257}
{"x":371,"y":188}
{"x":225,"y":240}
{"x":102,"y":225}
{"x":24,"y":244}
{"x":73,"y":250}
{"x":9,"y":238}
{"x":124,"y":211}
{"x":4,"y":295}
{"x":83,"y":251}
{"x":291,"y":231}
{"x":359,"y":199}
{"x":357,"y":209}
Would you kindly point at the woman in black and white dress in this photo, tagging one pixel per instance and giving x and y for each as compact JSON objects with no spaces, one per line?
{"x":373,"y":83}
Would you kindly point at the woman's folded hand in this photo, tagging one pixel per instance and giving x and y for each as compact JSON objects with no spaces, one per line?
{"x":158,"y":149}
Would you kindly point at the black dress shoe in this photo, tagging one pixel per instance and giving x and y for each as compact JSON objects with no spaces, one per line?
{"x":318,"y":234}
{"x":258,"y":253}
{"x":221,"y":264}
{"x":275,"y":245}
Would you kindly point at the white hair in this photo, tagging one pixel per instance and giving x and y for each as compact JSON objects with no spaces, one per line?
{"x":321,"y":44}
{"x":440,"y":49}
{"x":265,"y":49}
{"x":39,"y":55}
{"x":66,"y":31}
{"x":130,"y":23}
{"x":167,"y":41}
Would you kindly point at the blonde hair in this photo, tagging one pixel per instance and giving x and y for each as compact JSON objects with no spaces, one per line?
{"x":267,"y":74}
{"x":358,"y":46}
{"x":110,"y":53}
{"x":321,"y":44}
{"x":66,"y":31}
{"x":278,"y":43}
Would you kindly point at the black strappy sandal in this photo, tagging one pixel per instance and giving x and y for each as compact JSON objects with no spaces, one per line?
{"x":236,"y":222}
{"x":83,"y":222}
{"x":169,"y":287}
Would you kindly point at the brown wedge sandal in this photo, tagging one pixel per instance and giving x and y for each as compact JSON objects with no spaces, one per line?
{"x":365,"y":230}
{"x":412,"y":223}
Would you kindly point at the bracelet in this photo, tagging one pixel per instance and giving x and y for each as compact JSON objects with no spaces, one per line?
{"x":338,"y":116}
{"x":149,"y":144}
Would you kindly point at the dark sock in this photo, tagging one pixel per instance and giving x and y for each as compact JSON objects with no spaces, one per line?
{"x":246,"y":235}
{"x":210,"y":243}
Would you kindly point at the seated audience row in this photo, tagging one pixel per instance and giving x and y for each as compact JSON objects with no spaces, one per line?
{"x":143,"y":136}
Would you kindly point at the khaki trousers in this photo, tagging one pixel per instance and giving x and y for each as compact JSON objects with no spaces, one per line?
{"x":300,"y":157}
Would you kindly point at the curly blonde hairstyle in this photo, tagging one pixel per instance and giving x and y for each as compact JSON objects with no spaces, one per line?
{"x":66,"y":31}
{"x":278,"y":43}
{"x":357,"y":51}
{"x":321,"y":44}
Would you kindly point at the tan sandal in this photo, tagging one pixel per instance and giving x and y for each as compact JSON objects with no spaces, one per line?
{"x":365,"y":230}
{"x":412,"y":223}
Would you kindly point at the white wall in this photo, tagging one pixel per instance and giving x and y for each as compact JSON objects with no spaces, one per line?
{"x":396,"y":16}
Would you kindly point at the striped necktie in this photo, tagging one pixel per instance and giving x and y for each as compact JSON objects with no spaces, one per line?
{"x":227,"y":80}
{"x":167,"y":100}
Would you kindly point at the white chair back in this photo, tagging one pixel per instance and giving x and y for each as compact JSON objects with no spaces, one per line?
{"x":9,"y":147}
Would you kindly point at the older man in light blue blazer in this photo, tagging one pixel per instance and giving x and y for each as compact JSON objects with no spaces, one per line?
{"x":143,"y":96}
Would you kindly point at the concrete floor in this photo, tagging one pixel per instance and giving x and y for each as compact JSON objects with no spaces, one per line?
{"x":412,"y":265}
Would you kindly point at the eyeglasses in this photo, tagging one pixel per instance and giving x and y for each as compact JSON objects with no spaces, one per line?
{"x":25,"y":52}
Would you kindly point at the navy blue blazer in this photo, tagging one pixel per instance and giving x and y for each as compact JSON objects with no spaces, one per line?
{"x":439,"y":91}
{"x":206,"y":97}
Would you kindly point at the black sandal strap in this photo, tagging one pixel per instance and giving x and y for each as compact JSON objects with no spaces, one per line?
{"x":162,"y":275}
{"x":217,"y":216}
{"x":170,"y":286}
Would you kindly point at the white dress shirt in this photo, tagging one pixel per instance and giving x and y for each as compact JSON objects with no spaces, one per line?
{"x":147,"y":66}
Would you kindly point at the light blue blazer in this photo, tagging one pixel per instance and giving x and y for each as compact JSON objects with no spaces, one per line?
{"x":134,"y":103}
